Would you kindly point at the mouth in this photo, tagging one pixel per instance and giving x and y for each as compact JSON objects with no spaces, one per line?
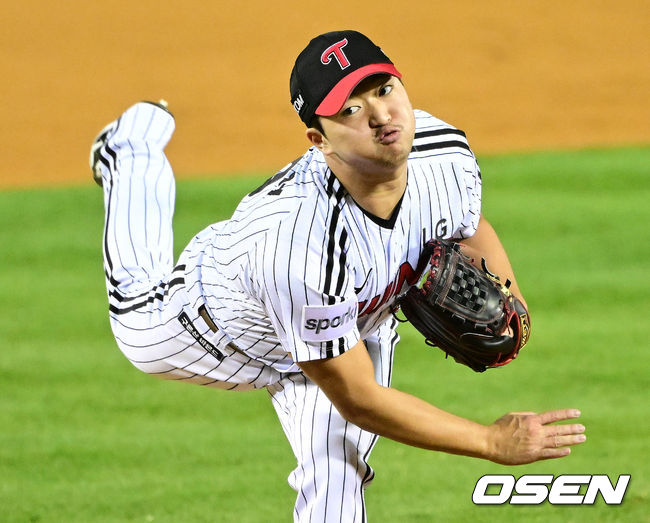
{"x":388,"y":135}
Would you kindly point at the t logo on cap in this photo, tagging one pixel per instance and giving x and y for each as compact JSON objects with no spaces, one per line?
{"x":336,"y":50}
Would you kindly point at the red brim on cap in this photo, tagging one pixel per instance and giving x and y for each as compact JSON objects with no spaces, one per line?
{"x":335,"y":99}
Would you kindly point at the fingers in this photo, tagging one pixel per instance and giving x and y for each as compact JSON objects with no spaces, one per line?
{"x":559,"y":438}
{"x":555,"y":442}
{"x":558,"y":415}
{"x":554,"y":453}
{"x":563,"y":430}
{"x":558,"y":446}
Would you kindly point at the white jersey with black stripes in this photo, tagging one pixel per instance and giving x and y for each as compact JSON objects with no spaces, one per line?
{"x":301,"y":272}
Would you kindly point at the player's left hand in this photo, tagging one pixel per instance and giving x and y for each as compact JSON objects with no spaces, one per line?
{"x":524,"y":437}
{"x":468,"y":312}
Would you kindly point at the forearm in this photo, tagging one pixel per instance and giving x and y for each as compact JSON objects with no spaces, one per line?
{"x":514,"y":439}
{"x":410,"y":420}
{"x":486,"y":244}
{"x":348,"y":380}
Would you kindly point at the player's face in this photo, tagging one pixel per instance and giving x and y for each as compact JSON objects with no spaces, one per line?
{"x":373,"y":131}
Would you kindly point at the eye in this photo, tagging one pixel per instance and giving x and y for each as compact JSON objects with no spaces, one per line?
{"x":349,"y":110}
{"x":385,"y":89}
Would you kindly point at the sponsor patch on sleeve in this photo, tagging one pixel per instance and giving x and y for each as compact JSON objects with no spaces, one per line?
{"x":328,"y":322}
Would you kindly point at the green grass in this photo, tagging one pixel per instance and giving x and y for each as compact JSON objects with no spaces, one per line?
{"x":86,"y":437}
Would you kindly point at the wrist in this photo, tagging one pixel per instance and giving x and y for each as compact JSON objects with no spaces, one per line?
{"x":489,"y":448}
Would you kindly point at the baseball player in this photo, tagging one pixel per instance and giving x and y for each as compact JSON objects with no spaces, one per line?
{"x":294,"y":292}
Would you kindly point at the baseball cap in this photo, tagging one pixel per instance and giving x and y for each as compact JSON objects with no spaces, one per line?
{"x":328,"y":70}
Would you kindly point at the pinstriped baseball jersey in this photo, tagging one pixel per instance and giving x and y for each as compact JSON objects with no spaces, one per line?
{"x":301,"y":272}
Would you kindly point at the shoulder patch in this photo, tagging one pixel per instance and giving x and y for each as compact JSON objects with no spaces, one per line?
{"x":328,"y":322}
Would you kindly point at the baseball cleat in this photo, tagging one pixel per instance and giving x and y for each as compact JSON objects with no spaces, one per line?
{"x":96,"y":159}
{"x":162,"y":103}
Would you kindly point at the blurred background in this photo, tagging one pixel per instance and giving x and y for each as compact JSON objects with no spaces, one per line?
{"x":553,"y":96}
{"x":515,"y":76}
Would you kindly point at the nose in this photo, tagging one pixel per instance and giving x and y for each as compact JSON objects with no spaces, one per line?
{"x":379,"y":113}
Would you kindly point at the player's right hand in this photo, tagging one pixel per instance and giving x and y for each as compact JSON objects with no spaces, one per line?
{"x":524,"y":437}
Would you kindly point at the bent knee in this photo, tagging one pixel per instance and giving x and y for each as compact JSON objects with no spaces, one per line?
{"x":161,"y":369}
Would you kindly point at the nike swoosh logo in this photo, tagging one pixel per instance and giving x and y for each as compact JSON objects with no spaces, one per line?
{"x":357,"y":290}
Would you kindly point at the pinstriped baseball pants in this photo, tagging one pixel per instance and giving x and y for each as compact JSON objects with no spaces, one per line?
{"x":146,"y":293}
{"x":332,"y":454}
{"x":146,"y":296}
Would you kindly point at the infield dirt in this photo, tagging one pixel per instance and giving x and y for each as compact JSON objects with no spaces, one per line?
{"x":515,"y":76}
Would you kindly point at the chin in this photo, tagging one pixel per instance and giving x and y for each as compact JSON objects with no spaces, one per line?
{"x":398,"y":156}
{"x":392,"y":162}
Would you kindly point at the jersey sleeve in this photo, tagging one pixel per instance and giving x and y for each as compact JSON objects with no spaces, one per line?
{"x":469,"y":178}
{"x":443,"y":149}
{"x":305,"y":283}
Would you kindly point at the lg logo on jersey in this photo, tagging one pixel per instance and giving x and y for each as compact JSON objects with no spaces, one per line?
{"x":441,"y":229}
{"x":531,"y":489}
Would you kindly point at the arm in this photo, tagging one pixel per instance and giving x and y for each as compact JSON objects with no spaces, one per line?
{"x":348,"y":381}
{"x":486,"y":244}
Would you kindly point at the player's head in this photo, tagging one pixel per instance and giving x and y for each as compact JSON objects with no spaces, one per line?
{"x":328,"y":70}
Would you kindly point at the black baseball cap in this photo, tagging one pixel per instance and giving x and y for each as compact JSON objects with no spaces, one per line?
{"x":328,"y":70}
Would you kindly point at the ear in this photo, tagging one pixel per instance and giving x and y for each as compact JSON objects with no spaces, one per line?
{"x":316,"y":138}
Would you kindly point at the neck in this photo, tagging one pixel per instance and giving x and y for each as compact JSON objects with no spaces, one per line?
{"x":377,"y":193}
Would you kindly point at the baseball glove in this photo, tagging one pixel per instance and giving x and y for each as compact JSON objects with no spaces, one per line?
{"x":465,"y":311}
